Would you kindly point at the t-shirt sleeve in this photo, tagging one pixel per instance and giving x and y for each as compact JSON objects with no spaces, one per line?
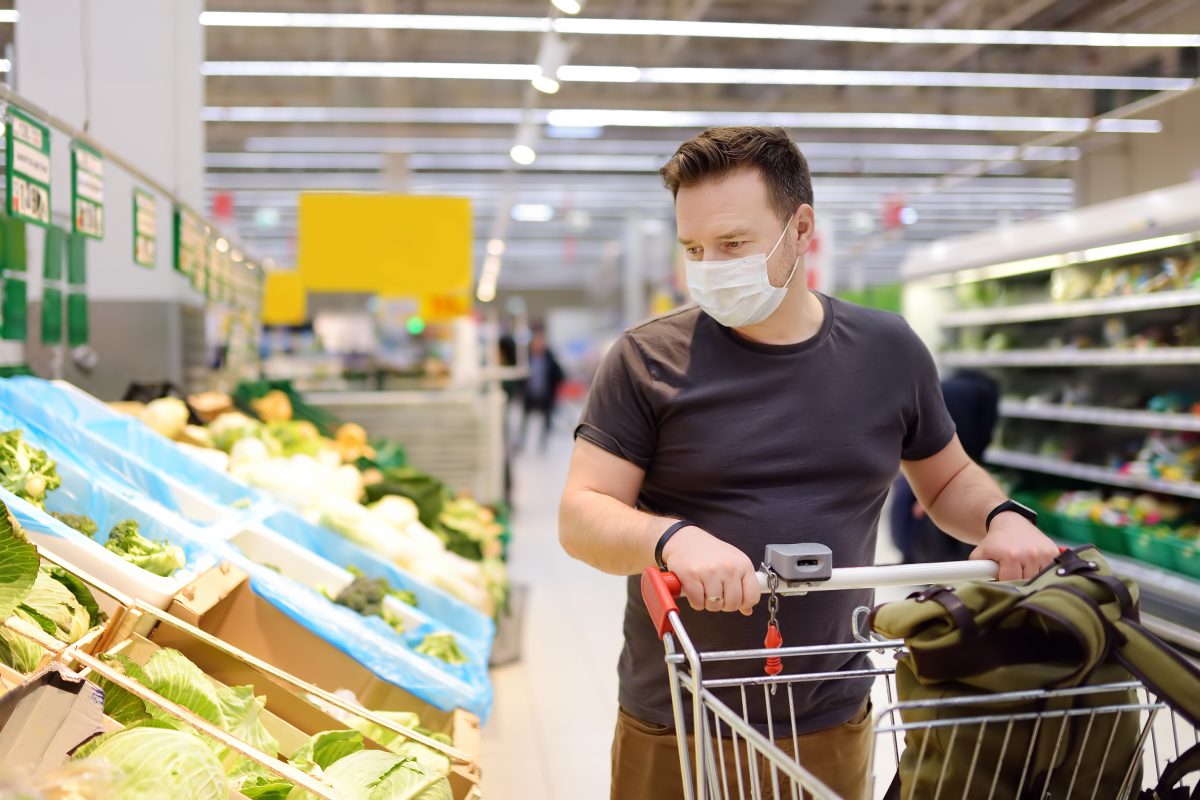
{"x":619,"y":416}
{"x":929,"y":426}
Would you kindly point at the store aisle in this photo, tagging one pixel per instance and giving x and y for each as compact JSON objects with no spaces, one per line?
{"x":551,"y":728}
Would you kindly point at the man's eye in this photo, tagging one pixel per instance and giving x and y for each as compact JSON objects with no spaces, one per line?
{"x":694,"y":252}
{"x":733,"y":245}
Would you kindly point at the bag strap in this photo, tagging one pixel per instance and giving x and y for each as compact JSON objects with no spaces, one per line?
{"x":1173,"y":775}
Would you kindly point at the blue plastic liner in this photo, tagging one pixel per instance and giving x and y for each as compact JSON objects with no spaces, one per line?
{"x":470,"y":624}
{"x":84,"y":492}
{"x":130,"y":460}
{"x":374,"y":644}
{"x":122,"y":447}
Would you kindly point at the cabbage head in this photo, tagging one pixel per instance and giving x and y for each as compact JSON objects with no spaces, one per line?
{"x":376,"y":775}
{"x":156,"y":763}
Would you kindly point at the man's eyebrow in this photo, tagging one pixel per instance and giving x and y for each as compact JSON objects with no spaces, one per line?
{"x":732,"y":234}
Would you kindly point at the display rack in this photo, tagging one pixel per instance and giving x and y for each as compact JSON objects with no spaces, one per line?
{"x":1078,"y":318}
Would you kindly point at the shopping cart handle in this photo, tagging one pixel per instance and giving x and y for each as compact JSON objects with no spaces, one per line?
{"x":659,"y":589}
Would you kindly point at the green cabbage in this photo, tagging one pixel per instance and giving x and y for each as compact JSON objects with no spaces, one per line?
{"x":156,"y":763}
{"x":376,"y":775}
{"x":19,"y":562}
{"x":325,"y":748}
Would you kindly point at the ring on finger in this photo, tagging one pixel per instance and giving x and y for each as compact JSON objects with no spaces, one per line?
{"x":715,"y":599}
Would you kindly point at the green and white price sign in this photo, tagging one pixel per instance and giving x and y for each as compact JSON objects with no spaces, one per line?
{"x":191,"y":242}
{"x":87,"y":190}
{"x":145,"y":228}
{"x":27,"y":174}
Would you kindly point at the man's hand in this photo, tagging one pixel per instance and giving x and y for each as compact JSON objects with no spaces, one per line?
{"x":1020,"y":548}
{"x":708,"y":568}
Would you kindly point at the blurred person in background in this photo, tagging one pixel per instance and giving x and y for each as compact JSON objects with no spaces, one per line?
{"x":973,"y":400}
{"x":765,"y":414}
{"x":541,"y":387}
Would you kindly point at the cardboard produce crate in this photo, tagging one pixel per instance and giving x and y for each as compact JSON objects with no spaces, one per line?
{"x":233,"y":634}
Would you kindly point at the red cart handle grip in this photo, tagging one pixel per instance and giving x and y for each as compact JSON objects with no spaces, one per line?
{"x":659,"y":590}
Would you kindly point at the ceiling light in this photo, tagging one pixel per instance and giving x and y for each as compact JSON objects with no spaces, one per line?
{"x":495,"y":247}
{"x":532,"y":212}
{"x":486,"y":292}
{"x":545,"y":84}
{"x":581,"y":140}
{"x":523,"y":154}
{"x":491,"y":265}
{"x":222,"y":245}
{"x":909,"y":216}
{"x":551,"y":71}
{"x":10,"y":16}
{"x":600,"y":118}
{"x":689,"y":28}
{"x":568,"y":6}
{"x":865,"y":120}
{"x":237,"y":256}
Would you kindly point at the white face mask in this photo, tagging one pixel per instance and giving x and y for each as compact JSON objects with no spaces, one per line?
{"x":738,"y":292}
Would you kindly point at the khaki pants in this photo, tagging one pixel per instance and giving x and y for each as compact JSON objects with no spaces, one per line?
{"x":645,"y":761}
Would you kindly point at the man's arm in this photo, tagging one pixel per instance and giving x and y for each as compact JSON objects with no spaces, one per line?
{"x":598,"y":524}
{"x":958,"y":495}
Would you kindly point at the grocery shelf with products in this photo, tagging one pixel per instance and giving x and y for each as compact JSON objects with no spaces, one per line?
{"x":1093,"y":338}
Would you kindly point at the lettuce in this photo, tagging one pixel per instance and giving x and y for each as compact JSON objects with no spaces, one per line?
{"x":19,"y":561}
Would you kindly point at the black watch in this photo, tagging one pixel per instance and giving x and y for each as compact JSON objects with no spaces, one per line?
{"x":1010,"y":505}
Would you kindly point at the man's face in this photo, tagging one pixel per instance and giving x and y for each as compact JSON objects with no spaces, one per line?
{"x":732,"y":218}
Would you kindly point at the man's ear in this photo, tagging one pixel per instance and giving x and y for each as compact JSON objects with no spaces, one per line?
{"x":806,"y":228}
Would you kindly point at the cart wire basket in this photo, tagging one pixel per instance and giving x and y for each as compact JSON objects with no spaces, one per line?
{"x":724,"y":756}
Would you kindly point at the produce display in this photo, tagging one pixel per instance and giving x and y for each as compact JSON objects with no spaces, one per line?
{"x":412,"y":519}
{"x":366,"y":596}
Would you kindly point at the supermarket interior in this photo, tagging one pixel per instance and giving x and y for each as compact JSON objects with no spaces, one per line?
{"x":375,"y":375}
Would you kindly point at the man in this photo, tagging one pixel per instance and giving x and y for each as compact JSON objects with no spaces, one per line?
{"x":541,"y":388}
{"x":768,"y":414}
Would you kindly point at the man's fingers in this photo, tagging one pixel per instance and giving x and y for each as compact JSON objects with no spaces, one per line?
{"x":694,"y":590}
{"x":1010,"y":570}
{"x":751,"y":592}
{"x":733,"y":596}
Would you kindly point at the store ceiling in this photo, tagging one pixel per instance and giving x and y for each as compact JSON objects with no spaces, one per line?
{"x":300,"y":118}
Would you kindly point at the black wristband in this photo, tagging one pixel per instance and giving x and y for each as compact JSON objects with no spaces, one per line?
{"x":1013,"y":506}
{"x":662,"y":541}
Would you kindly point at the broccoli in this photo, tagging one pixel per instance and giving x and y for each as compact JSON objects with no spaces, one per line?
{"x":403,"y":595}
{"x":442,"y":646}
{"x":25,"y":471}
{"x":80,"y":522}
{"x":160,"y":558}
{"x":365,"y":595}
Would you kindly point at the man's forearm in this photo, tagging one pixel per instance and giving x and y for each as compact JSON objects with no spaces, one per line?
{"x":607,"y":534}
{"x":962,"y":507}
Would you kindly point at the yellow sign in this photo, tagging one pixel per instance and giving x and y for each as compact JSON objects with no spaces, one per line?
{"x":285,"y":300}
{"x":444,"y":307}
{"x":388,"y":244}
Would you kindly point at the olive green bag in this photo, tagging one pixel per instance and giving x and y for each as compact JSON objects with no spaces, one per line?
{"x":1075,"y":625}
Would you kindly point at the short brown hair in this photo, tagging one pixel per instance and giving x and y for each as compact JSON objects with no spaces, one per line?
{"x":719,"y":151}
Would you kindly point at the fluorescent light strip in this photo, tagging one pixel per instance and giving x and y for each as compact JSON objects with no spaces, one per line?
{"x":888,"y":150}
{"x":688,"y":75}
{"x":955,"y":122}
{"x":671,"y":119}
{"x":695,"y":29}
{"x":10,"y":16}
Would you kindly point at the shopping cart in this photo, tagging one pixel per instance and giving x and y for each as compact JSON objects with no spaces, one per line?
{"x":729,"y":757}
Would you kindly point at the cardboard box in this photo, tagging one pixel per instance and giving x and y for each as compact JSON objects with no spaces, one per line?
{"x":222,"y":603}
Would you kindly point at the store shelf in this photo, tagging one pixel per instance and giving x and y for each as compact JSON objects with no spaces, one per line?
{"x":1161,"y":356}
{"x":1083,"y":308}
{"x":1094,"y":415}
{"x":1088,"y":472}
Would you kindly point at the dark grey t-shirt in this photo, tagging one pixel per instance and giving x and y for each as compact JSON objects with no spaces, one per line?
{"x":762,"y":444}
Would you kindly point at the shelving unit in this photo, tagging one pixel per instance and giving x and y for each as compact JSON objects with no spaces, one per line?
{"x":1130,"y":239}
{"x":1092,"y":415}
{"x":1038,"y":312}
{"x":1099,"y":357}
{"x":1088,"y":472}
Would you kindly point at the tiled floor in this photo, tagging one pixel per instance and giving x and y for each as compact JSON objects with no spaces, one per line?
{"x":551,"y":728}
